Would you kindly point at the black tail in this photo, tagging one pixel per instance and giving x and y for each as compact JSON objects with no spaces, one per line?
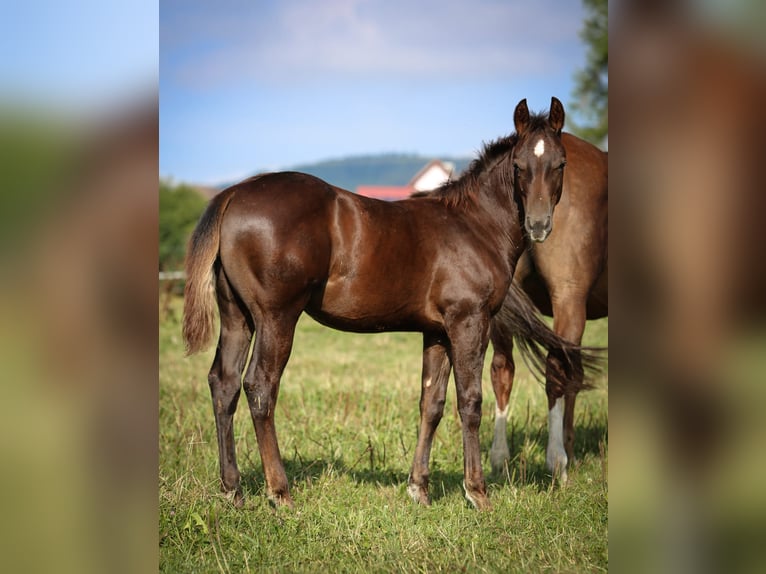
{"x":519,"y":320}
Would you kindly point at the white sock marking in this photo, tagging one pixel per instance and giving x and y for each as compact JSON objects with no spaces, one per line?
{"x":499,"y":452}
{"x":556,"y":456}
{"x":428,"y":382}
{"x":540,"y":148}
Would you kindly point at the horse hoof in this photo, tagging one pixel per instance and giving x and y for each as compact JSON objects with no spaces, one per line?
{"x":418,"y":494}
{"x":281,"y":500}
{"x":235,"y":498}
{"x":478,"y":499}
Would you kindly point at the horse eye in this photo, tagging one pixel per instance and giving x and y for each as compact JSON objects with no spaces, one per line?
{"x":563,"y":164}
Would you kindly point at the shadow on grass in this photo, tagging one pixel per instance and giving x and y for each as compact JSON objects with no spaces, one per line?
{"x":524,"y":470}
{"x":305,"y":473}
{"x":520,"y":471}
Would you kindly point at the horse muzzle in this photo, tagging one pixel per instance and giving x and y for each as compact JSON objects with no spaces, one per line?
{"x":538,"y":229}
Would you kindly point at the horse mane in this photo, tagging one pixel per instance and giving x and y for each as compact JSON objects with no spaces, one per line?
{"x":458,"y":191}
{"x":537,"y":122}
{"x":463,"y":189}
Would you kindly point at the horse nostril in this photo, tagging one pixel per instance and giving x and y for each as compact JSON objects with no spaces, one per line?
{"x":537,"y":225}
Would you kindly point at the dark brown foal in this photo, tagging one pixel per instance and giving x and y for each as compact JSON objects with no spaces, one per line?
{"x":277,"y":245}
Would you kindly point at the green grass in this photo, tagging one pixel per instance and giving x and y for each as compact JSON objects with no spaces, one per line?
{"x":347,"y":420}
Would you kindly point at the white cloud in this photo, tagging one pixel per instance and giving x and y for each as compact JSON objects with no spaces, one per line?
{"x":301,"y":40}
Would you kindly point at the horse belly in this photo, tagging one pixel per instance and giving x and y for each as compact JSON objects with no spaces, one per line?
{"x":598,"y":301}
{"x":378,"y":273}
{"x":368,"y":304}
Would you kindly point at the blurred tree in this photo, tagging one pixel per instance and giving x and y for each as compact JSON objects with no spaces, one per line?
{"x":591,"y":94}
{"x":180,"y":208}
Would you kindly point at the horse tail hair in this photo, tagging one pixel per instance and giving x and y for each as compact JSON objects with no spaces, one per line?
{"x":520,"y":319}
{"x":199,"y":291}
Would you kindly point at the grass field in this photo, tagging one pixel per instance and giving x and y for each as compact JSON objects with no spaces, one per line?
{"x":347,"y":420}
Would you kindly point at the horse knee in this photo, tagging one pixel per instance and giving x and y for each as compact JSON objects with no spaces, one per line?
{"x":433,"y":410}
{"x":470,"y":408}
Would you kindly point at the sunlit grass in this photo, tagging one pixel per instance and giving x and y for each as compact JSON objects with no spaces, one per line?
{"x":347,"y":421}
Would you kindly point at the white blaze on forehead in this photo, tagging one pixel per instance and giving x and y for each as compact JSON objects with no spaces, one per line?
{"x":540,"y":147}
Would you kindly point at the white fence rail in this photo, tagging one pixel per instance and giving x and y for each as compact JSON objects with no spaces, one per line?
{"x":172,"y":275}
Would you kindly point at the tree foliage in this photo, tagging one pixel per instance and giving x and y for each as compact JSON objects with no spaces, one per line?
{"x":180,"y":208}
{"x":591,"y":94}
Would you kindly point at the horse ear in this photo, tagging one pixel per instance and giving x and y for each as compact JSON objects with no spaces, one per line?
{"x":556,"y":115}
{"x":521,"y":117}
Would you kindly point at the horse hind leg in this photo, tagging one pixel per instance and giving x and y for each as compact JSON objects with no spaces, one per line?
{"x":225,"y":381}
{"x":433,"y":392}
{"x":270,"y":354}
{"x":562,"y":384}
{"x":502,"y":373}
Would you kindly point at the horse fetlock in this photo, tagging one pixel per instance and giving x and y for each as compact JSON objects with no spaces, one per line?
{"x":477,"y":496}
{"x":230,"y":477}
{"x":234,"y":496}
{"x":280,"y":498}
{"x":419,"y":492}
{"x":556,"y":460}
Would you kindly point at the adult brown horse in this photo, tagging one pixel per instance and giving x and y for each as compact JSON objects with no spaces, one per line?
{"x":279,"y":244}
{"x":564,"y":271}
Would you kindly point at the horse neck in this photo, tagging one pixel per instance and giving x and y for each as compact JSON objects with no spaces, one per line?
{"x":495,"y":207}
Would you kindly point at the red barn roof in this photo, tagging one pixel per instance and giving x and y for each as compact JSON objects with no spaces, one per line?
{"x":429,"y":177}
{"x":386,"y":192}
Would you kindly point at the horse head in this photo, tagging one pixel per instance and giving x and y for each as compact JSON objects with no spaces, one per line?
{"x":538,"y":166}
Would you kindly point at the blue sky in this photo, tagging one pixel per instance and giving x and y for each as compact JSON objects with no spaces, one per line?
{"x":79,"y":56}
{"x":246,"y":86}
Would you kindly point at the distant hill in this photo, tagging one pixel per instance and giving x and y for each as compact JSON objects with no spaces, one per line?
{"x":385,"y":169}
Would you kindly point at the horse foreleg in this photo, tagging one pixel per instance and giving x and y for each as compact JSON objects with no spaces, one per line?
{"x":433,"y":391}
{"x":272,"y":349}
{"x":469,"y":338}
{"x":502,"y":373}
